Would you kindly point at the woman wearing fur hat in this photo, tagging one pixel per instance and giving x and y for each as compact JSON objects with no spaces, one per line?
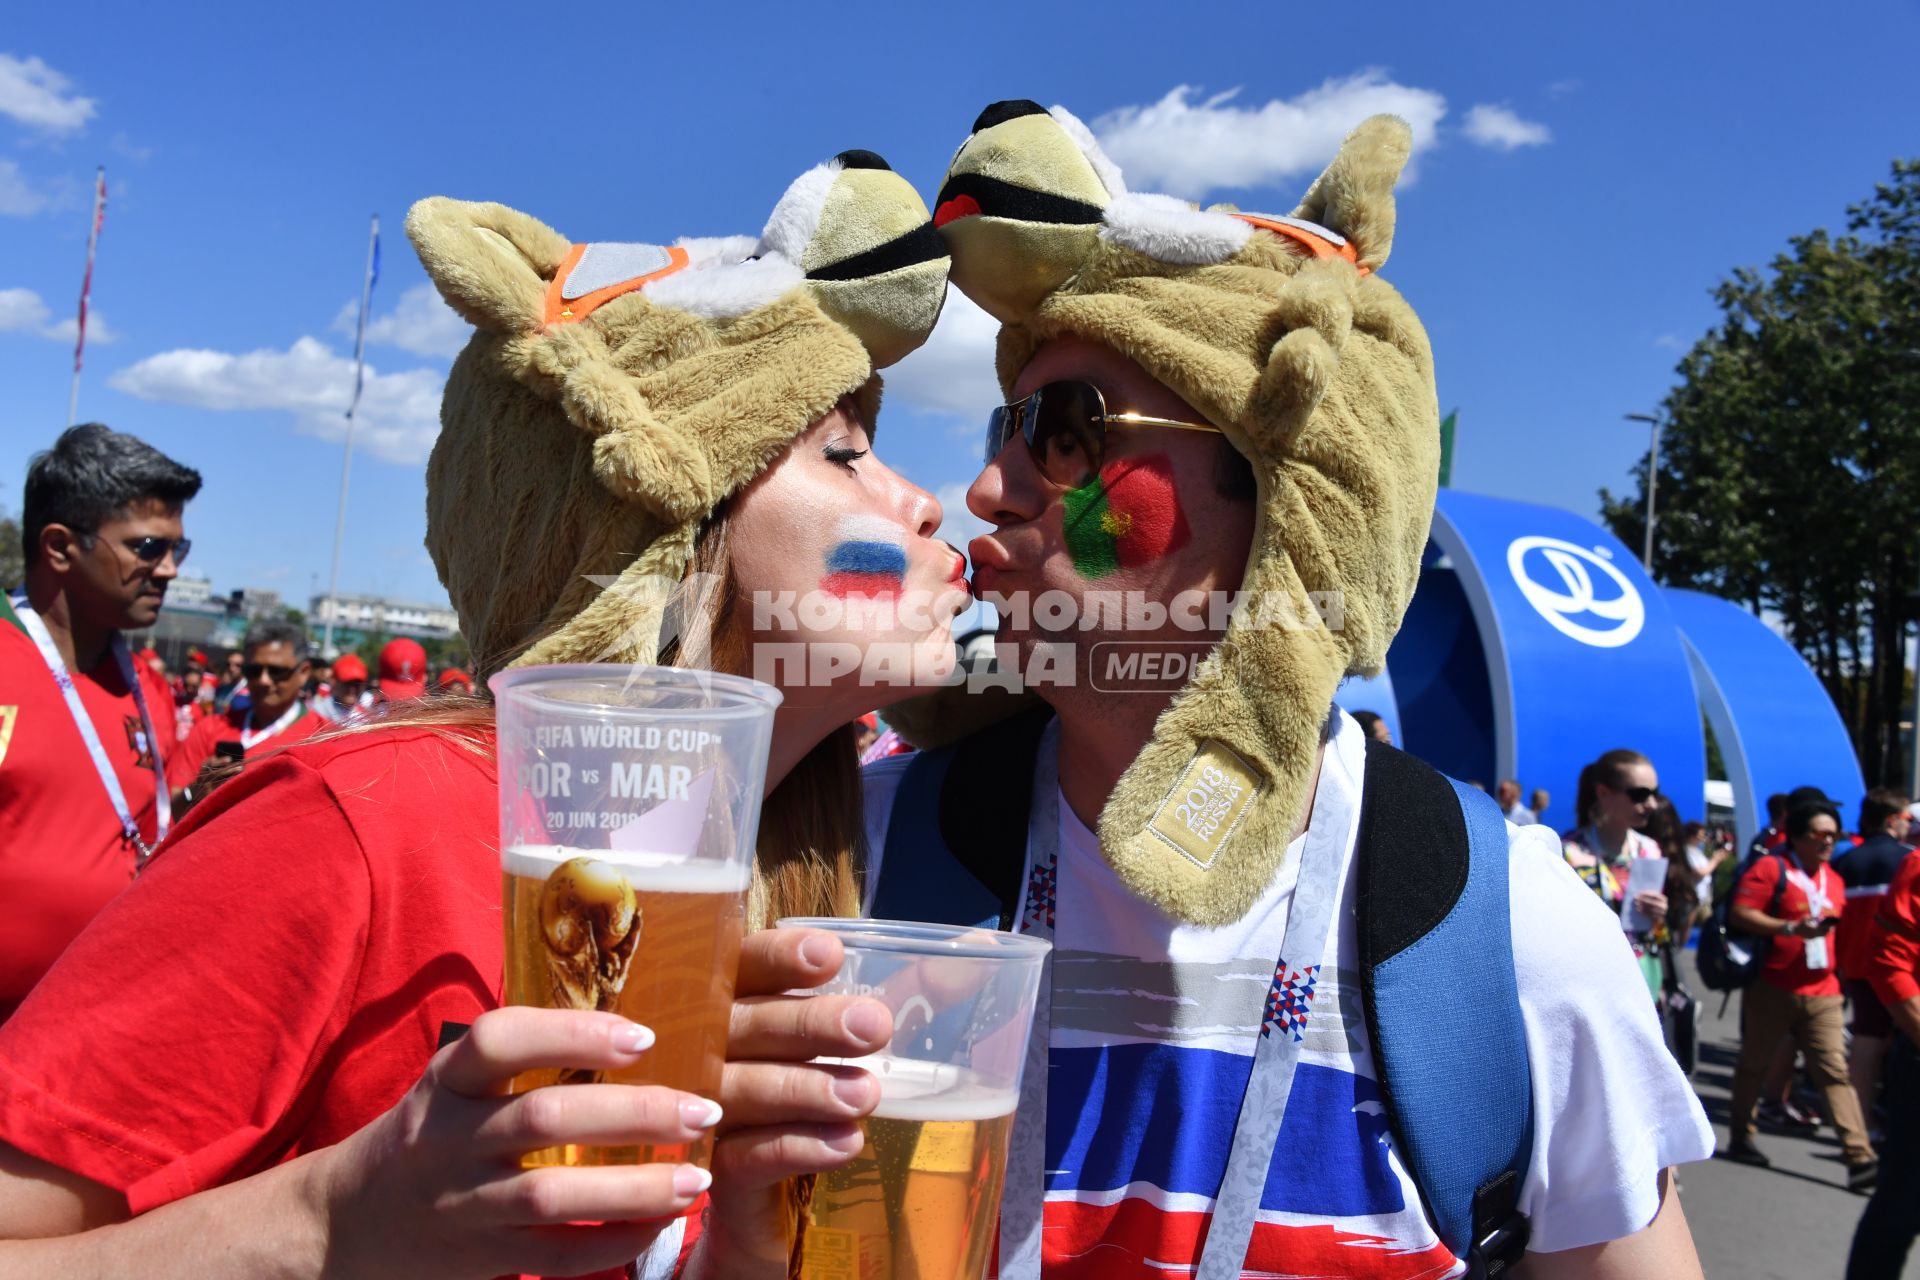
{"x":236,"y":1073}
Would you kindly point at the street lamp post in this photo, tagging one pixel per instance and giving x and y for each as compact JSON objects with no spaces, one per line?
{"x":1653,"y":475}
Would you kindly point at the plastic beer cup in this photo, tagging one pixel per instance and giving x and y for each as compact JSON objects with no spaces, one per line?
{"x":922,"y":1200}
{"x":629,"y":805}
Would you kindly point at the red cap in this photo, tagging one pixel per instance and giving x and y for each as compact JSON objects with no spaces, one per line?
{"x":148,"y":655}
{"x":871,"y":720}
{"x":197,"y":655}
{"x":348,"y":667}
{"x":403,"y":669}
{"x":454,"y":675}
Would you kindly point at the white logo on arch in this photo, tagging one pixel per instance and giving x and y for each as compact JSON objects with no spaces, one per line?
{"x":1570,"y":605}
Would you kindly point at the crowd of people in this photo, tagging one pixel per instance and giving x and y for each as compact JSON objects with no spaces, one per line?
{"x":251,"y":958}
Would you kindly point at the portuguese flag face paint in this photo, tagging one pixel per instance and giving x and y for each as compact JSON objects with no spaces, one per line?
{"x":1126,"y":518}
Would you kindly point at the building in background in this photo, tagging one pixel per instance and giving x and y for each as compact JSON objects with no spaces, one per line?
{"x":377,"y":615}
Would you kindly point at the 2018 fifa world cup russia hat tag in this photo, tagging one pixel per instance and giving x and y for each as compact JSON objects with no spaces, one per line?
{"x":1215,"y":792}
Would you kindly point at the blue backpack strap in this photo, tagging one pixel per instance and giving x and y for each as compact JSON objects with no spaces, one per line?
{"x":957,"y":833}
{"x":1443,"y":1005}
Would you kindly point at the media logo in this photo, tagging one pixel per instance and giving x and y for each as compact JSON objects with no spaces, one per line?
{"x":1606,"y":616}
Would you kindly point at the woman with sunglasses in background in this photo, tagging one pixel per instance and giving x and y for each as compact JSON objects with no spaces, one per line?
{"x":1617,"y":797}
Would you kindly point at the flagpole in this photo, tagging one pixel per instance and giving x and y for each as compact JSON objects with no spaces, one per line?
{"x":86,"y":288}
{"x":346,"y":466}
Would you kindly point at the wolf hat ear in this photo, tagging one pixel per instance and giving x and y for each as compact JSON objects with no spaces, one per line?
{"x":1354,"y":197}
{"x":489,"y":262}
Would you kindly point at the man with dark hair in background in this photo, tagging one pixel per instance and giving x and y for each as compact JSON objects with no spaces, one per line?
{"x":1770,"y":836}
{"x":275,"y":666}
{"x":84,"y":729}
{"x":1867,"y":871}
{"x":1794,"y":898}
{"x":1507,"y":795}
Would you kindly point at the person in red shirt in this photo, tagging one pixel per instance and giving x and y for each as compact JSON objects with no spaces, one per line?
{"x":347,"y":692}
{"x":403,"y":670}
{"x":1888,"y":1224}
{"x":1867,"y":871}
{"x":101,"y":526}
{"x":1795,"y":899}
{"x":240,"y":1069}
{"x":276,"y":714}
{"x":189,"y":708}
{"x":454,"y":680}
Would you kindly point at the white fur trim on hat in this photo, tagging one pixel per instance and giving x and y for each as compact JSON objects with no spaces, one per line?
{"x":791,"y":226}
{"x":1108,"y":171}
{"x":1171,"y":230}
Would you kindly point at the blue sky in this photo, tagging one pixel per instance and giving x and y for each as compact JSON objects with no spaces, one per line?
{"x":1582,"y":179}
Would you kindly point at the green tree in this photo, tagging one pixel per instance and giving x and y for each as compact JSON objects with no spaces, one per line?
{"x":1790,"y":457}
{"x":13,"y":560}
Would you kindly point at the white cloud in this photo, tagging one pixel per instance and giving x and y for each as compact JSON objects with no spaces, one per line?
{"x":1670,"y":342}
{"x":21,"y":311}
{"x":19,"y":197}
{"x":39,"y":97}
{"x":952,"y":375}
{"x":1562,"y":88}
{"x":1190,"y":148}
{"x":420,"y":322}
{"x":24,"y":311}
{"x":98,"y":332}
{"x":1492,"y":126}
{"x":399,"y":413}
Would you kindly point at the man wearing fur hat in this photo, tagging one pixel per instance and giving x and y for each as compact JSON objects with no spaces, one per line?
{"x":1263,"y":1048}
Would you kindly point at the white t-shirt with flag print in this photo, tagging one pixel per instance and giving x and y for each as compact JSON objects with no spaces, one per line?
{"x":1154,"y":1028}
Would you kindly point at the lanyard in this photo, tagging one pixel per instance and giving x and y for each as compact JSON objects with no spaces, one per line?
{"x":1815,"y":889}
{"x":248,"y":737}
{"x":57,"y":667}
{"x":1276,"y":1053}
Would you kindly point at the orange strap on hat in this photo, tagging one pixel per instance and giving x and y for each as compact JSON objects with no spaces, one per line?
{"x":569,"y":300}
{"x":1316,"y":240}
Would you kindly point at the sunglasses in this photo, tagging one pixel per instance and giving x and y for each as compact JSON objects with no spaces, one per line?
{"x":151,"y":550}
{"x":1640,"y":795}
{"x":272,"y":670}
{"x":1065,"y":425}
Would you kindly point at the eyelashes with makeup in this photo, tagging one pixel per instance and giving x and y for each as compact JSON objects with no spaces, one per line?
{"x":841,"y":455}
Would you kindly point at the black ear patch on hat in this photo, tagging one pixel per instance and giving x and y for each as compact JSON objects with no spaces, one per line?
{"x":966,"y":194}
{"x":861,"y":160}
{"x":922,"y":244}
{"x":1011,"y":109}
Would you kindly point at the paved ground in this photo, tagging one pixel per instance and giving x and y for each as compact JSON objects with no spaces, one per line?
{"x":1791,"y":1222}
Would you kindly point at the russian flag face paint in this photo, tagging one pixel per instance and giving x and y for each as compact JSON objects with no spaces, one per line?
{"x":868,"y":559}
{"x":1128,"y":517}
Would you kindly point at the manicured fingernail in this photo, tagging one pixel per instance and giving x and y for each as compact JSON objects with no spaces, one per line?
{"x":699,"y":1113}
{"x":817,"y":951}
{"x":845,"y":1144}
{"x":865,"y":1022}
{"x":633,"y":1038}
{"x":691,"y":1180}
{"x":854,"y":1091}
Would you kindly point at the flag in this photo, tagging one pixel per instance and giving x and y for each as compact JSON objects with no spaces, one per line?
{"x":86,"y":287}
{"x":1446,"y":449}
{"x":366,"y":300}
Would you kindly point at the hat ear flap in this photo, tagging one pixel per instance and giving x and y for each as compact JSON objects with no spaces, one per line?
{"x":491,"y":263}
{"x":1355,"y":195}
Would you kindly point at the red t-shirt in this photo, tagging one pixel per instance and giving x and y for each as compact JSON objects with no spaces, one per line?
{"x":1786,"y":964}
{"x":62,"y":853}
{"x":1893,"y":950}
{"x":209,"y":732}
{"x":278,"y":977}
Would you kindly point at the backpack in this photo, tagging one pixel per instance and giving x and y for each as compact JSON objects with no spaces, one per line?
{"x":1432,"y":859}
{"x":1729,"y":960}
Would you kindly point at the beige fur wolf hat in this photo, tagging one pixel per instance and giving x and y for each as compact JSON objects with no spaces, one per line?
{"x":614,"y":394}
{"x":1279,"y":330}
